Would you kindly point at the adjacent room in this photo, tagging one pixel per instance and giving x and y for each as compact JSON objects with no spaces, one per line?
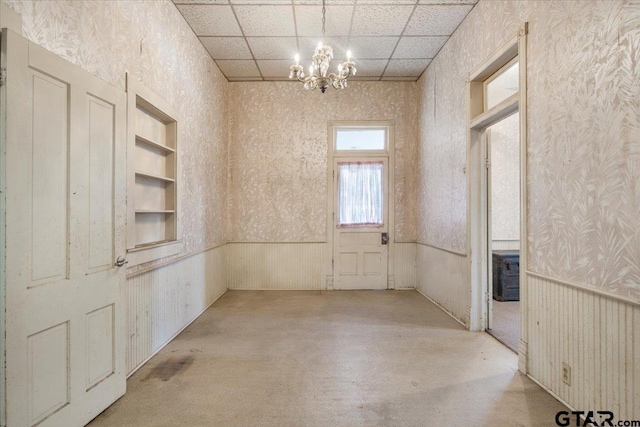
{"x":319,"y":212}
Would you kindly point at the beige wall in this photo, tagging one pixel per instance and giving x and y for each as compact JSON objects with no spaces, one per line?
{"x":151,"y":41}
{"x":584,"y":145}
{"x":583,"y":292}
{"x":278,"y":155}
{"x":505,"y":181}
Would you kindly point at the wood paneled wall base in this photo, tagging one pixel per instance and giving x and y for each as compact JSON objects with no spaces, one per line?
{"x":596,"y":336}
{"x":164,"y":301}
{"x":443,"y":276}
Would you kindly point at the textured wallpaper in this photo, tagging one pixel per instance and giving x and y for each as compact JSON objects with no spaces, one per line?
{"x":151,"y":41}
{"x":278,"y":155}
{"x":584,"y":136}
{"x":505,"y":179}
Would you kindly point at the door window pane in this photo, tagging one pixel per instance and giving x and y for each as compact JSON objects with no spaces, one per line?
{"x":503,"y":86}
{"x":361,"y":139}
{"x":360,"y":194}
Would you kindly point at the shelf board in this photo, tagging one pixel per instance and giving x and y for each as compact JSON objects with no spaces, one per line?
{"x":155,"y":211}
{"x":154,"y":144}
{"x":152,"y":176}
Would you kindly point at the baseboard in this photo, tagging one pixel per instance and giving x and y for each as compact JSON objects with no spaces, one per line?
{"x":555,"y":396}
{"x":442,"y":308}
{"x":175,"y":335}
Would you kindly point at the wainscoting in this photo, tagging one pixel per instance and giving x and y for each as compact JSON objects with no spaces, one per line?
{"x":594,"y":335}
{"x":301,"y":266}
{"x":505,"y":245}
{"x":276,"y":266}
{"x":443,"y":277}
{"x":163,"y":301}
{"x":404,"y":265}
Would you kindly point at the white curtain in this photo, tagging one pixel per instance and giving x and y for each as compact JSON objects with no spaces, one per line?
{"x":360,"y":193}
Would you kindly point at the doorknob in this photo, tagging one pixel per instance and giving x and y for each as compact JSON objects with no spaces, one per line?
{"x":121,"y":261}
{"x":385,"y":238}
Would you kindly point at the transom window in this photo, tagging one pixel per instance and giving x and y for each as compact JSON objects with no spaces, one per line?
{"x":361,"y":138}
{"x":502,"y":85}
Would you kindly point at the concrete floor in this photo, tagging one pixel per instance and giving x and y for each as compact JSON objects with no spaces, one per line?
{"x":506,"y":323}
{"x":337,"y":358}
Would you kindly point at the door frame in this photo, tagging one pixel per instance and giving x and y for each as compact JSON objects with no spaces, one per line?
{"x":332,"y":154}
{"x":477,"y":237}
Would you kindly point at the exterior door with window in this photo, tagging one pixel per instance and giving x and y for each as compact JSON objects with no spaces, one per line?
{"x":360,"y":216}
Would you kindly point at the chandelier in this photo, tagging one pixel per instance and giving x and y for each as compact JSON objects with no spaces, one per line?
{"x":322,"y":56}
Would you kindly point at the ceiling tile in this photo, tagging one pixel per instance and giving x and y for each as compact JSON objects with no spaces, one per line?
{"x":393,"y":2}
{"x":244,"y":79}
{"x":372,"y":47}
{"x":371,"y":67}
{"x":338,"y":44}
{"x":380,"y":20}
{"x":259,"y":2}
{"x":436,"y":20}
{"x":364,"y":79}
{"x":399,"y":79}
{"x":309,"y":20}
{"x":406,"y":67}
{"x":275,"y":68}
{"x":266,"y":20}
{"x":419,"y":47}
{"x":238,"y":68}
{"x":200,"y":1}
{"x":211,"y":20}
{"x":226,"y":47}
{"x":273,"y":47}
{"x":329,"y":2}
{"x":448,"y":1}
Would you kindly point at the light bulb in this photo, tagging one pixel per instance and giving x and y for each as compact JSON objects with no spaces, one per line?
{"x":349,"y":55}
{"x":311,"y":69}
{"x":339,"y":68}
{"x":297,"y":57}
{"x":320,"y":45}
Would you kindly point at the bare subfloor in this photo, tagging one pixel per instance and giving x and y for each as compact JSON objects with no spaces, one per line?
{"x":361,"y":358}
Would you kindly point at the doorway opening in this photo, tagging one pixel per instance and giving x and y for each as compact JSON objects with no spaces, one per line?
{"x":496,"y":181}
{"x":503,"y":227}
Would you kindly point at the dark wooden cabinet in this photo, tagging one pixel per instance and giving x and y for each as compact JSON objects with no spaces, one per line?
{"x":506,"y":275}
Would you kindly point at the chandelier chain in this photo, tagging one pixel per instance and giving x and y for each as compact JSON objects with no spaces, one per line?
{"x":324,"y":11}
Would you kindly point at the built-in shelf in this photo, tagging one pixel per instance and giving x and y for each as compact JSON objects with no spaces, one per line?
{"x":153,"y":208}
{"x":153,"y":144}
{"x":154,"y":211}
{"x":152,"y":176}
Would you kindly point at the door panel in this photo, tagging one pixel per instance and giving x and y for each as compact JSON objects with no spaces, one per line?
{"x":65,"y":222}
{"x":360,"y":259}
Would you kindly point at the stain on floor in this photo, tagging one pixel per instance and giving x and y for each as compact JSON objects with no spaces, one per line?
{"x":169,"y":368}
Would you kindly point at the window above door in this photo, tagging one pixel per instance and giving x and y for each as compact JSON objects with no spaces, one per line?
{"x":360,"y":138}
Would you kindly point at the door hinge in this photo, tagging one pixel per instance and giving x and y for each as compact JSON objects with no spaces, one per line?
{"x":487,"y":163}
{"x":332,"y":265}
{"x":3,"y":76}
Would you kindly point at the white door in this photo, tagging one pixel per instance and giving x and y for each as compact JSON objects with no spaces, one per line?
{"x":485,"y":140}
{"x":361,"y":225}
{"x":65,"y":226}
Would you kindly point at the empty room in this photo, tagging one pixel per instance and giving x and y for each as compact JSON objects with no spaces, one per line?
{"x":319,"y":213}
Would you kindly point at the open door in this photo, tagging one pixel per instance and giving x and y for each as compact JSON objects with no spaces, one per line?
{"x":64,"y":188}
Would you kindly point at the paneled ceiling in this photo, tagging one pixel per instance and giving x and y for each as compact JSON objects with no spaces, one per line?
{"x":253,"y":40}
